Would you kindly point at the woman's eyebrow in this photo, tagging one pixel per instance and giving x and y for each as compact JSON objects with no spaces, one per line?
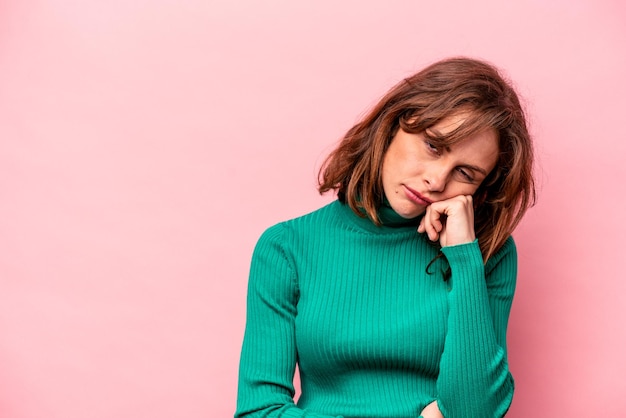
{"x":476,"y":168}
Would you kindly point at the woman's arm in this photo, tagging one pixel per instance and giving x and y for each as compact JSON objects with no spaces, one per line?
{"x":474,"y":378}
{"x":268,"y":356}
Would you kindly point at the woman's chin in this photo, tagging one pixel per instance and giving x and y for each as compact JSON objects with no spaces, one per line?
{"x":409,"y":212}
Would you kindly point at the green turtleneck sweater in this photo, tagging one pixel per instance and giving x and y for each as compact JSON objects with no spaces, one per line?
{"x":373,"y":334}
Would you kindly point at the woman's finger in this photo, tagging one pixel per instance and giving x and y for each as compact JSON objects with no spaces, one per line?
{"x":450,"y":221}
{"x":432,"y":223}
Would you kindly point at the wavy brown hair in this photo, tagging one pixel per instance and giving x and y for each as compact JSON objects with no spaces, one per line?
{"x":416,"y":104}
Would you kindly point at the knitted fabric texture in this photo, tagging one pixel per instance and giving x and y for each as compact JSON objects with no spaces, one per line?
{"x":372,"y":332}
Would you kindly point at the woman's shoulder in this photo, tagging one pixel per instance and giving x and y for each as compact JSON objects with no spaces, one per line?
{"x":501,"y":269}
{"x":304,"y":223}
{"x":308,"y":220}
{"x":508,"y":252}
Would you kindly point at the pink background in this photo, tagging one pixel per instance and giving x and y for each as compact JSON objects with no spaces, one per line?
{"x":145,"y":145}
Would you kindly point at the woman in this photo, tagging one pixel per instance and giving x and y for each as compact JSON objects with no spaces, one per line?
{"x":394,"y":299}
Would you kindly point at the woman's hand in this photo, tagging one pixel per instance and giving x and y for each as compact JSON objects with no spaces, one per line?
{"x":450,"y":221}
{"x":431,"y":411}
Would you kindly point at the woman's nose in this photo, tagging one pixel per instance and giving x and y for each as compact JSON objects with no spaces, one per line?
{"x":435,"y":179}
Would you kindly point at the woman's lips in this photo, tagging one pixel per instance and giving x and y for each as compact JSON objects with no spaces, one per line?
{"x":417,"y":197}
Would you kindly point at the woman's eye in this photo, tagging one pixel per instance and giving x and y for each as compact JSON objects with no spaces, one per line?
{"x":432,"y":148}
{"x":465,"y":174}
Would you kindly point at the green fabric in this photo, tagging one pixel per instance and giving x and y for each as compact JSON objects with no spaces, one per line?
{"x":373,"y":334}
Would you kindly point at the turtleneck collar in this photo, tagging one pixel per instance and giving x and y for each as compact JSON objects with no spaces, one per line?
{"x":390,"y":217}
{"x":391,"y":221}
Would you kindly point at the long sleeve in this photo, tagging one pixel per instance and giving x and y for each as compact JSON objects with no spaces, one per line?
{"x":269,"y":354}
{"x":474,"y":379}
{"x":374,"y":333}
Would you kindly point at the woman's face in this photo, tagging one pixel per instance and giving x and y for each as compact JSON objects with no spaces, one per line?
{"x":416,"y":173}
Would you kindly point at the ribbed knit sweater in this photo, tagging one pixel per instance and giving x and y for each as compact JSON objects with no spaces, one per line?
{"x":372,"y":332}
